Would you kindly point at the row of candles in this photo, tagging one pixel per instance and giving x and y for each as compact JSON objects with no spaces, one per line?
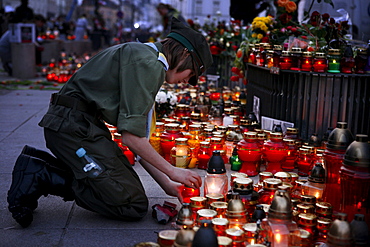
{"x":60,"y":71}
{"x":296,"y":59}
{"x":335,"y":178}
{"x":276,"y":211}
{"x":350,"y":202}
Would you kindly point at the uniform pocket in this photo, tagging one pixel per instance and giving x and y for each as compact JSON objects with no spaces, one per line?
{"x":51,"y":121}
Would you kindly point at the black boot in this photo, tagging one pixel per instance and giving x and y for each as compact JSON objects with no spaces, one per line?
{"x":47,"y":157}
{"x":32,"y":178}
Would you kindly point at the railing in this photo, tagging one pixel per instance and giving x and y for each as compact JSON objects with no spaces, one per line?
{"x":312,"y":101}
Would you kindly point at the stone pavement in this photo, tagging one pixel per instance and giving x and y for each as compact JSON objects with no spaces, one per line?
{"x":59,"y":223}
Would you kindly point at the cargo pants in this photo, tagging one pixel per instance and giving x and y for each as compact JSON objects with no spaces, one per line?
{"x":116,"y":193}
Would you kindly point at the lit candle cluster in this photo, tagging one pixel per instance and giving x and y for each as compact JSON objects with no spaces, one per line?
{"x":60,"y":71}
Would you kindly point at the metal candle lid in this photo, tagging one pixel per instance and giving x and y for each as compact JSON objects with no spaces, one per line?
{"x":340,"y":234}
{"x":235,"y":208}
{"x":340,"y":137}
{"x":317,"y":174}
{"x":281,"y":207}
{"x":184,"y":237}
{"x":358,"y":152}
{"x":185,"y":215}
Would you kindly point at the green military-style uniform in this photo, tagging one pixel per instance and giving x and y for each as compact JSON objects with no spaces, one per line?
{"x":117,"y":86}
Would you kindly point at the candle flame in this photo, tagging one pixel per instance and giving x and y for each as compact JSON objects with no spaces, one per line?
{"x":317,"y":194}
{"x":252,"y":241}
{"x":278,"y":237}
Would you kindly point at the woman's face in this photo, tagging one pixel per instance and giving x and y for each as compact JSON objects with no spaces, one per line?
{"x":173,"y":77}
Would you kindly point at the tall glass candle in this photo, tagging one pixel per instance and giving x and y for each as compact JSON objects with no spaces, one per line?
{"x":355,"y":178}
{"x":285,"y":61}
{"x":334,"y":61}
{"x":320,"y":62}
{"x":306,"y":61}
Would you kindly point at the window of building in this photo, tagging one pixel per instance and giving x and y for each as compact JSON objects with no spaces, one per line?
{"x":198,"y":7}
{"x":216,"y":7}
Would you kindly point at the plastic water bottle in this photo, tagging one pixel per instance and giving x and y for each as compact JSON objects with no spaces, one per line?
{"x":92,"y":167}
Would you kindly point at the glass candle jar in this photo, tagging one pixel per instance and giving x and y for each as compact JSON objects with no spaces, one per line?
{"x":244,"y":186}
{"x":324,"y":210}
{"x":236,"y":213}
{"x":276,"y":55}
{"x":338,"y":141}
{"x":181,"y":153}
{"x":220,"y":208}
{"x":298,"y":188}
{"x":172,"y":131}
{"x":347,"y":62}
{"x":285,"y":60}
{"x":334,"y":61}
{"x":205,"y":214}
{"x":296,"y":54}
{"x":320,"y":62}
{"x":289,"y":163}
{"x":269,"y":59}
{"x":220,"y":225}
{"x":155,"y":138}
{"x":250,"y":233}
{"x":316,"y":182}
{"x":204,"y":154}
{"x":323,"y":226}
{"x":237,"y":236}
{"x":355,"y":178}
{"x":216,"y":144}
{"x":270,"y":186}
{"x":304,"y":162}
{"x":214,"y":198}
{"x":129,"y":154}
{"x":117,"y":138}
{"x":166,"y":238}
{"x":255,"y":51}
{"x":215,"y":97}
{"x":278,"y":229}
{"x":234,"y":160}
{"x":250,"y":153}
{"x":360,"y":61}
{"x":216,"y":180}
{"x":262,"y":177}
{"x":180,"y":111}
{"x":250,"y":54}
{"x":197,"y":203}
{"x":188,"y":192}
{"x":308,"y":222}
{"x":274,"y":153}
{"x":306,"y":61}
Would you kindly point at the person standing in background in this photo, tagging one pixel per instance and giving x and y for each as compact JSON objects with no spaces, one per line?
{"x":23,"y":13}
{"x":81,"y":27}
{"x":167,"y":12}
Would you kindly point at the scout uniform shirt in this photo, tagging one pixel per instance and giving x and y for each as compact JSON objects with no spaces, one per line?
{"x":120,"y":83}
